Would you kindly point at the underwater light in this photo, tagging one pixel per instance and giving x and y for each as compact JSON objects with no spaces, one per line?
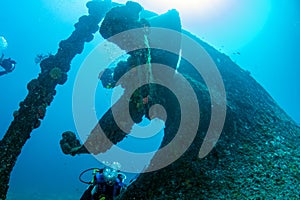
{"x":205,"y":8}
{"x":222,"y":23}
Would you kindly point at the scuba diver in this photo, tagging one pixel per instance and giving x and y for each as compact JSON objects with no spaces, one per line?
{"x":8,"y":64}
{"x":107,"y":183}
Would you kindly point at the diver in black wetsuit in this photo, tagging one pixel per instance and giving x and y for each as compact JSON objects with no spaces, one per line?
{"x":7,"y":64}
{"x":106,"y":184}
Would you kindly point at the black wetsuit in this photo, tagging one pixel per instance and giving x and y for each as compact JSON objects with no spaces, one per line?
{"x":99,"y":188}
{"x":8,"y":65}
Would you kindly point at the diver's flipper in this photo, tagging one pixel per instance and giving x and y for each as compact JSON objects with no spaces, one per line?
{"x":2,"y":73}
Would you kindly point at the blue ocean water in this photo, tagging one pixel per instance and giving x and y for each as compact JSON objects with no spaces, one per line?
{"x":42,"y":170}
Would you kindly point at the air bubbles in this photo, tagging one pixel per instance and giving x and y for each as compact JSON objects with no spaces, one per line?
{"x":3,"y":43}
